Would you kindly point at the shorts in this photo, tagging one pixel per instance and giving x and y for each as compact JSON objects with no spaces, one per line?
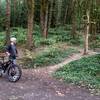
{"x":13,"y":59}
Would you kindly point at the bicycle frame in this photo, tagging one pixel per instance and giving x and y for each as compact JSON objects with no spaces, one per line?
{"x":6,"y":65}
{"x":10,"y":69}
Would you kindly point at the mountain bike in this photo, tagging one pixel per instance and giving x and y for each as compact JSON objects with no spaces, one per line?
{"x":9,"y":69}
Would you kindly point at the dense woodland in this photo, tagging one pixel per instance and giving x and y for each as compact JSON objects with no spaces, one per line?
{"x":52,"y":30}
{"x":79,"y":17}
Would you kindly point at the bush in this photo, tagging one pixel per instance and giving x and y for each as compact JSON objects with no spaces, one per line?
{"x":50,"y":56}
{"x":42,"y":41}
{"x":95,"y":43}
{"x":2,"y":47}
{"x":84,"y":71}
{"x":20,"y":34}
{"x":61,"y":35}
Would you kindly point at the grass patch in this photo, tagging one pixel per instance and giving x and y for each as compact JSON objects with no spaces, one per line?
{"x":50,"y":56}
{"x":85,"y":71}
{"x":63,"y":35}
{"x":40,"y":41}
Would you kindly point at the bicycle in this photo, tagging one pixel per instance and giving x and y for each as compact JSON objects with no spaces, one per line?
{"x":11,"y":70}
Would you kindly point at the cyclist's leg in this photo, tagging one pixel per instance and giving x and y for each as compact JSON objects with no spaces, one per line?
{"x":14,"y":61}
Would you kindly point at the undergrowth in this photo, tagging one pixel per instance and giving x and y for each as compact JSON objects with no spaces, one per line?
{"x":85,"y":71}
{"x":48,"y":57}
{"x":55,"y":35}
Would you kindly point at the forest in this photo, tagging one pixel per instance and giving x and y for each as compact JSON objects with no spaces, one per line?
{"x":53,"y":32}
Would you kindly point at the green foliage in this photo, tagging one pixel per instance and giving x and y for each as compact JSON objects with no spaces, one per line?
{"x":50,"y":56}
{"x":94,"y":43}
{"x":20,"y":34}
{"x":43,"y":41}
{"x":97,"y":45}
{"x":2,"y":19}
{"x":61,"y":35}
{"x":56,"y":35}
{"x":2,"y":47}
{"x":19,"y":13}
{"x":85,"y":71}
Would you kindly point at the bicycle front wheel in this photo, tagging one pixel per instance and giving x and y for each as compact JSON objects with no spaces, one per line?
{"x":14,"y":73}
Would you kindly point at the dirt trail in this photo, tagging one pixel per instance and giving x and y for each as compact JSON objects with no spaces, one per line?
{"x":38,"y":84}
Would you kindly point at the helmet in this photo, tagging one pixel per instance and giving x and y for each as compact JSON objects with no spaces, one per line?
{"x":12,"y":39}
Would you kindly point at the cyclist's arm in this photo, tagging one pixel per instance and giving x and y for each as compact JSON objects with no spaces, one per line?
{"x":7,"y":50}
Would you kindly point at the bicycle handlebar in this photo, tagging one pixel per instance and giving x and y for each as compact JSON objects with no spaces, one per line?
{"x":3,"y":55}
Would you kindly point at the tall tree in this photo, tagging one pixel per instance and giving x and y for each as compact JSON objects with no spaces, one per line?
{"x":44,"y":17}
{"x":67,"y":19}
{"x":88,"y":21}
{"x":51,"y":12}
{"x":59,"y":11}
{"x":86,"y":44}
{"x":13,"y":12}
{"x":15,"y":3}
{"x":74,"y":22}
{"x":30,"y":4}
{"x":7,"y":21}
{"x":0,"y":6}
{"x":66,"y":12}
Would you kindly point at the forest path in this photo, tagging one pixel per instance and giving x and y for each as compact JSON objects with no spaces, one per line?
{"x":38,"y":84}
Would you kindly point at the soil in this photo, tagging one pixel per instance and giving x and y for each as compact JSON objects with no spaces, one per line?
{"x":38,"y":84}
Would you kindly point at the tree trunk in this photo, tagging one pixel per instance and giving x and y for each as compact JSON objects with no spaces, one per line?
{"x":51,"y":12}
{"x":53,"y":20}
{"x":94,"y":36}
{"x":45,"y":33}
{"x":86,"y":44}
{"x":73,"y":32}
{"x":65,"y":16}
{"x":0,"y":6}
{"x":7,"y":21}
{"x":30,"y":24}
{"x":68,"y":12}
{"x":15,"y":4}
{"x":44,"y":18}
{"x":59,"y":9}
{"x":74,"y":28}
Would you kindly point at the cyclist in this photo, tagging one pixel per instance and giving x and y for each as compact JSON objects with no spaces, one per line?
{"x":11,"y":50}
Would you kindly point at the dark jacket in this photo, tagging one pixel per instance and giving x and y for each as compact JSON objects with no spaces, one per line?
{"x":12,"y":50}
